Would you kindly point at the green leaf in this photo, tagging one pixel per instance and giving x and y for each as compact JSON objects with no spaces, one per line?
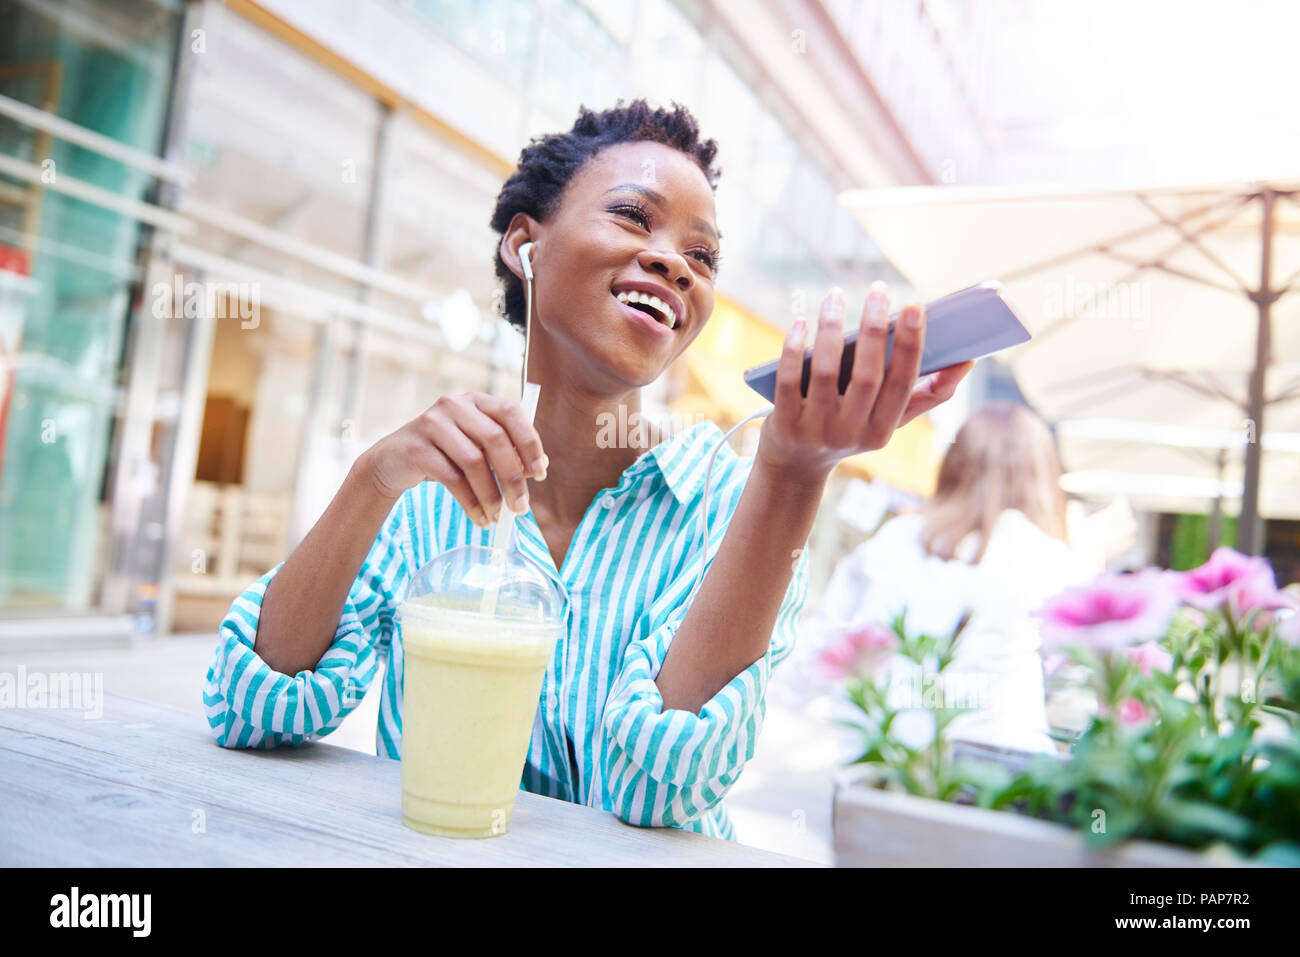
{"x":1205,"y":818}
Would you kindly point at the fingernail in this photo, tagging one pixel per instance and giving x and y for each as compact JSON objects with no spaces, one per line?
{"x":538,"y":469}
{"x":879,"y":286}
{"x":877,"y":311}
{"x":914,"y":318}
{"x":521,"y":505}
{"x":797,"y":332}
{"x":836,"y":297}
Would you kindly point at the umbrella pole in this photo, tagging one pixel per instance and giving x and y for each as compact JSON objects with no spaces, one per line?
{"x":1216,"y":511}
{"x":1250,"y":530}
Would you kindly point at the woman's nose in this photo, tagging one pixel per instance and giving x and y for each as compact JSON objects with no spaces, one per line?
{"x":672,"y":266}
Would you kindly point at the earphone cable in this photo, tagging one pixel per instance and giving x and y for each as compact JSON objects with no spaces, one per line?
{"x":704,"y":511}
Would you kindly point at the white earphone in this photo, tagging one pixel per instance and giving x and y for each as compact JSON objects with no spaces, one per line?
{"x":526,"y":258}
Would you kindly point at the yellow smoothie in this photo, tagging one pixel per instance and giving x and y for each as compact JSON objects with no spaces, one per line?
{"x":471,"y":690}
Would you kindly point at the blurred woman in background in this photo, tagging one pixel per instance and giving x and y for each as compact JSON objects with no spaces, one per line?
{"x":993,"y":540}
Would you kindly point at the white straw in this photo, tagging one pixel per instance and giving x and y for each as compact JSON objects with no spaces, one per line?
{"x":501,"y":532}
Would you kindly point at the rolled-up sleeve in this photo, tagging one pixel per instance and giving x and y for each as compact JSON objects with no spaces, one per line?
{"x":250,"y":705}
{"x":670,"y":768}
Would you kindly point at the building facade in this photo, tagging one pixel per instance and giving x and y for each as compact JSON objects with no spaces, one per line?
{"x":241,"y":241}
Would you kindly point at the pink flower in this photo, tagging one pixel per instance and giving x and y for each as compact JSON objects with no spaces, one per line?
{"x":858,"y":652}
{"x":1131,"y":711}
{"x":1256,"y":594}
{"x":1112,"y":612}
{"x":1283,"y":609}
{"x":1245,"y":581}
{"x":1150,"y":657}
{"x":1288,"y":618}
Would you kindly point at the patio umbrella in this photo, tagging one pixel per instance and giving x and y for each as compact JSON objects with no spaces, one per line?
{"x":1166,"y":339}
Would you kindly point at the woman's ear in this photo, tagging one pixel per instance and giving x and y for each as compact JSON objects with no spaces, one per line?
{"x":522,"y":231}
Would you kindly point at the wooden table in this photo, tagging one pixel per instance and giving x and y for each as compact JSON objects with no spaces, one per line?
{"x":147,"y":785}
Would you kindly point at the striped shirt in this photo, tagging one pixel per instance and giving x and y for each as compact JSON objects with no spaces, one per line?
{"x":601,"y":736}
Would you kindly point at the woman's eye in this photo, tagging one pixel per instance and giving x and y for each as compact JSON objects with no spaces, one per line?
{"x":709,"y":258}
{"x":632,"y":212}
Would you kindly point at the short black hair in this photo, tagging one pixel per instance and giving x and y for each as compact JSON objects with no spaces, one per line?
{"x":548,"y":163}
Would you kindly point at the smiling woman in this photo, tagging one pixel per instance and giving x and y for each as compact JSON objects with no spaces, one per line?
{"x":653,"y":701}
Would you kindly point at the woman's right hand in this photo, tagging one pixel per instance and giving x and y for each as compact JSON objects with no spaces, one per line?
{"x":460,"y":441}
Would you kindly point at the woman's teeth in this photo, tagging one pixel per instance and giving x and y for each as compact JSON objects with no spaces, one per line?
{"x":665,"y":311}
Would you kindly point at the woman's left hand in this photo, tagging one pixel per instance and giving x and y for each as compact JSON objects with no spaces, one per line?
{"x":806,"y":436}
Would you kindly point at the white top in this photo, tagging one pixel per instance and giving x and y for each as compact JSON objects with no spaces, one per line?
{"x":997,"y":667}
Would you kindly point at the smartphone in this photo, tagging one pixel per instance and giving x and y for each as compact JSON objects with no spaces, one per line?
{"x":968,"y":324}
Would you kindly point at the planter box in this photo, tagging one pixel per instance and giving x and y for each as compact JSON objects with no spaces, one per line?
{"x":876,"y":828}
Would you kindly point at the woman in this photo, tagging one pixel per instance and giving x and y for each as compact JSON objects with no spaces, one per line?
{"x":992,"y":540}
{"x":651,"y":706}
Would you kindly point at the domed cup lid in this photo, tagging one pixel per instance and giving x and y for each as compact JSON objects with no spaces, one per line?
{"x":500,"y":583}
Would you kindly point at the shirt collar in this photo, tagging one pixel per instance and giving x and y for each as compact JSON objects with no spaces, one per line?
{"x":684,"y":458}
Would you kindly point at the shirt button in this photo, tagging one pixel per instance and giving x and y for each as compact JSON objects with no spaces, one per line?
{"x":607,"y":501}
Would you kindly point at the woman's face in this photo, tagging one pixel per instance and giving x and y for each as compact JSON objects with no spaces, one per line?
{"x":637,"y":218}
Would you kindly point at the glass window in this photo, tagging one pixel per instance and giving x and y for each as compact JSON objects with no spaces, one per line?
{"x":283,"y":154}
{"x":774,"y":158}
{"x":728,"y":113}
{"x":500,"y":34}
{"x":66,"y":274}
{"x":435,"y":234}
{"x":618,"y":17}
{"x":278,"y":139}
{"x":438,"y":203}
{"x":669,"y":54}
